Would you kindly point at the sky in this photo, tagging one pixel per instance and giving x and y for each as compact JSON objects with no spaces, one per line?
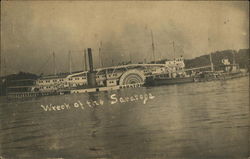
{"x":32,"y":30}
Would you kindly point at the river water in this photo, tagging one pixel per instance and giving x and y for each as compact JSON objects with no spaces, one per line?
{"x":189,"y":121}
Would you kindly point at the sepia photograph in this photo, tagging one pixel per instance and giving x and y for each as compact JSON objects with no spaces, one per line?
{"x":124,"y":80}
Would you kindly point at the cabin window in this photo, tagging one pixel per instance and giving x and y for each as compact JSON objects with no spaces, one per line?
{"x":47,"y":81}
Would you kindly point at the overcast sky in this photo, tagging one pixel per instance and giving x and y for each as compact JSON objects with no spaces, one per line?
{"x":31,"y":31}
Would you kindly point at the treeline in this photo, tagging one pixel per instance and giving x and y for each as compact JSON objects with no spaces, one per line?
{"x":241,"y":58}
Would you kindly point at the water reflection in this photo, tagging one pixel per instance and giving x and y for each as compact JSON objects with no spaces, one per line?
{"x":201,"y":120}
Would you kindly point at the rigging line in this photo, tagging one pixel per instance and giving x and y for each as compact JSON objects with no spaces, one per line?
{"x":43,"y":64}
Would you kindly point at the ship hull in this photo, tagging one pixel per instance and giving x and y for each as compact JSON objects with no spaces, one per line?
{"x":234,"y":75}
{"x":223,"y":76}
{"x":151,"y":81}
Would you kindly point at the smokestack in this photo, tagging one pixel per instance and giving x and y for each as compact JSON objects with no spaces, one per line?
{"x":91,"y":68}
{"x":91,"y":75}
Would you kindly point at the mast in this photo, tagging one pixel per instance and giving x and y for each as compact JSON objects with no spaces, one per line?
{"x":83,"y":61}
{"x":0,"y":63}
{"x":4,"y":66}
{"x":174,"y":49}
{"x":70,"y":71}
{"x":211,"y":61}
{"x":210,"y":57}
{"x":233,"y":57}
{"x":130,"y":58}
{"x":54,"y":63}
{"x":153,"y":45}
{"x":4,"y":75}
{"x":100,"y":56}
{"x":86,"y":60}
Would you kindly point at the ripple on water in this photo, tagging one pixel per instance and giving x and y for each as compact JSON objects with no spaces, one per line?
{"x":191,"y":121}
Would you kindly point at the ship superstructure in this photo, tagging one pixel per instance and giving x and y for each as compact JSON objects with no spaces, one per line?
{"x":123,"y":76}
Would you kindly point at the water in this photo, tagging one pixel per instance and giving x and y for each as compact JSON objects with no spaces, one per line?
{"x":190,"y":121}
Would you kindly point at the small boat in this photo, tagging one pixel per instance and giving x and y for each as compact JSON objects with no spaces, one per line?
{"x":207,"y":76}
{"x":233,"y":75}
{"x":231,"y":71}
{"x":163,"y":79}
{"x":228,"y":71}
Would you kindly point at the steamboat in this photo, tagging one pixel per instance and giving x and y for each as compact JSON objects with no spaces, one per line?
{"x":120,"y":77}
{"x":176,"y":74}
{"x":92,"y":80}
